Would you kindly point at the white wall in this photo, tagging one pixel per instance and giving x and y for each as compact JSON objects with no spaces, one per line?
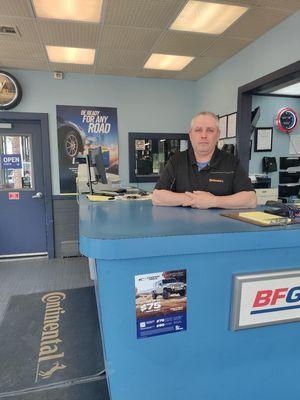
{"x":144,"y":105}
{"x":277,"y":48}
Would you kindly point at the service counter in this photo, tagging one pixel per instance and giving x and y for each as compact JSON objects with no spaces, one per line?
{"x":201,"y":357}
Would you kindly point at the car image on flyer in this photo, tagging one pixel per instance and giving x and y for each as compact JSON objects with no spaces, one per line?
{"x":160,"y":300}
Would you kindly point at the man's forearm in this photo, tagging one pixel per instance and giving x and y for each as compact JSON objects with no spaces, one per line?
{"x":237,"y":200}
{"x":168,"y":198}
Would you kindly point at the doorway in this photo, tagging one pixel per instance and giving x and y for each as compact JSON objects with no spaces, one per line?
{"x":261,"y":86}
{"x":26,"y":221}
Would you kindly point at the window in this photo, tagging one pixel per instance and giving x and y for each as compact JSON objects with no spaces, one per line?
{"x":149,"y":152}
{"x":16,"y":162}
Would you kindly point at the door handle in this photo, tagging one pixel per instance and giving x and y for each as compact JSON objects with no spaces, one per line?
{"x":38,"y":195}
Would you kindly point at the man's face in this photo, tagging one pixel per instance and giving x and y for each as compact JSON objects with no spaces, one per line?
{"x":204,"y":135}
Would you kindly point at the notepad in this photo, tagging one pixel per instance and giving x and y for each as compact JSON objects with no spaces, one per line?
{"x":259,"y":218}
{"x":95,"y":197}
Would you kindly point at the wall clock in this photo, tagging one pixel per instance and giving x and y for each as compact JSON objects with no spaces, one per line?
{"x":286,"y":120}
{"x":10,"y":91}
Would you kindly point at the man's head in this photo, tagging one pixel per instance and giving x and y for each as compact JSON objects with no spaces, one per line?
{"x":204,"y":135}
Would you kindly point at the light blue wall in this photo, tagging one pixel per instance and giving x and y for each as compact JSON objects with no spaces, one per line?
{"x":144,"y":105}
{"x":277,"y":48}
{"x":158,"y":105}
{"x":269,"y":106}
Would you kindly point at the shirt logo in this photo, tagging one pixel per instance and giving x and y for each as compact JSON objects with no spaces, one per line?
{"x":216,"y":180}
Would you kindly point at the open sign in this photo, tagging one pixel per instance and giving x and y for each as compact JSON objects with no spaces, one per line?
{"x":11,"y":161}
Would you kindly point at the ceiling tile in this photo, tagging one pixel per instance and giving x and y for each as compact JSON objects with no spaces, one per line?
{"x":16,"y":8}
{"x":122,"y":58}
{"x":72,"y":34}
{"x":24,"y":64}
{"x":134,"y":73}
{"x":143,"y":13}
{"x":249,"y":3}
{"x":84,"y":69}
{"x":115,"y":37}
{"x":22,"y":50}
{"x":199,"y":67}
{"x":25,"y":26}
{"x":226,"y":47}
{"x":183,"y":43}
{"x":292,"y":5}
{"x":153,"y":73}
{"x":256,"y":22}
{"x":100,"y":70}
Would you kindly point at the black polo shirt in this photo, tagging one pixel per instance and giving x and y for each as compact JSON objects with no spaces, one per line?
{"x":223,"y":176}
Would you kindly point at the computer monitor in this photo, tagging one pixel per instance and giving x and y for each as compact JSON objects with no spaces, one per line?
{"x":96,"y":161}
{"x":255,"y":114}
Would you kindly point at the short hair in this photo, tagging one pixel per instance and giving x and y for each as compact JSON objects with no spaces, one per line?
{"x":211,"y":114}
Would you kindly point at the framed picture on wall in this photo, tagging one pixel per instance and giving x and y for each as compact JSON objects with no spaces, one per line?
{"x":231,"y":125}
{"x":263,"y":139}
{"x":223,"y":126}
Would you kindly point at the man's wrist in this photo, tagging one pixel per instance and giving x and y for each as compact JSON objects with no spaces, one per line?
{"x":216,"y":201}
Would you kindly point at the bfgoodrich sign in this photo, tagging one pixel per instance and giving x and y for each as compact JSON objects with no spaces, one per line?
{"x":265,"y":298}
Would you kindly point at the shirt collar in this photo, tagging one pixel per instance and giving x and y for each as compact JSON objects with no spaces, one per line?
{"x":211,"y":163}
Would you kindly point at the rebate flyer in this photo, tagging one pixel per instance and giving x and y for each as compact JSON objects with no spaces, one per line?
{"x":160,"y":300}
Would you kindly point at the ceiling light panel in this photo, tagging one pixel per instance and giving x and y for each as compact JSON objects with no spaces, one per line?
{"x":211,"y":18}
{"x":75,"y":10}
{"x":71,"y":55}
{"x":167,"y":62}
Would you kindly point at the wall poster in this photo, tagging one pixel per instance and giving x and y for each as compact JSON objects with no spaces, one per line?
{"x":160,"y":300}
{"x":80,"y":128}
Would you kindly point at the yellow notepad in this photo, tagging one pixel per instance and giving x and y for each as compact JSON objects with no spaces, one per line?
{"x":259,"y":218}
{"x":96,"y":197}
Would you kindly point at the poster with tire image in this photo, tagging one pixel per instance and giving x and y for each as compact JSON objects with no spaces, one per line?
{"x":160,"y":302}
{"x":80,"y":128}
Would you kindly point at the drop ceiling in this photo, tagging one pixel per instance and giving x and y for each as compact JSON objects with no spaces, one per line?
{"x":128,"y":33}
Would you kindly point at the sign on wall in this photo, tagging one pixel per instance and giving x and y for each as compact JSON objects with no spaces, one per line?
{"x":80,"y":128}
{"x":265,"y":298}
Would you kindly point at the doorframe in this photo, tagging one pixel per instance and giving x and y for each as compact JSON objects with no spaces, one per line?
{"x":42,"y":118}
{"x":244,"y":105}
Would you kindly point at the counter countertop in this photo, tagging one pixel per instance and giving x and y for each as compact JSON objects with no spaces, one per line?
{"x":107,"y":230}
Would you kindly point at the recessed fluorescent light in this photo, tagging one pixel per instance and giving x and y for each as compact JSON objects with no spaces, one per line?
{"x":292,"y":90}
{"x":167,"y":62}
{"x":213,"y":18}
{"x":70,"y":55}
{"x":76,"y":10}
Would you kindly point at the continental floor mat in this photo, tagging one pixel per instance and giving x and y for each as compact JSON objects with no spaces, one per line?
{"x":49,"y":339}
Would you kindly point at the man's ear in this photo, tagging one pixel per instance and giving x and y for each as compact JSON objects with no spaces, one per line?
{"x":189,"y":132}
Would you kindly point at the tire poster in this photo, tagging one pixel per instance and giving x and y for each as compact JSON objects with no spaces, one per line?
{"x":160,"y":301}
{"x":80,"y":128}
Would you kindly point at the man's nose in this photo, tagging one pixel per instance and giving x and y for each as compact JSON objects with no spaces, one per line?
{"x":203,"y":134}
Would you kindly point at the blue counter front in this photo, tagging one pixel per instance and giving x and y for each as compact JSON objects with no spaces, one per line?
{"x":208,"y":360}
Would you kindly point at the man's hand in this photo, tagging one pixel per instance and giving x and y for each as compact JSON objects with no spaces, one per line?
{"x":200,"y":199}
{"x":204,"y":200}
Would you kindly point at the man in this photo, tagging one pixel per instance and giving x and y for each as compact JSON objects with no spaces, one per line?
{"x":204,"y":176}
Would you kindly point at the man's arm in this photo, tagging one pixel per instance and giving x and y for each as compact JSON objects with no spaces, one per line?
{"x":204,"y":200}
{"x":168,"y":198}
